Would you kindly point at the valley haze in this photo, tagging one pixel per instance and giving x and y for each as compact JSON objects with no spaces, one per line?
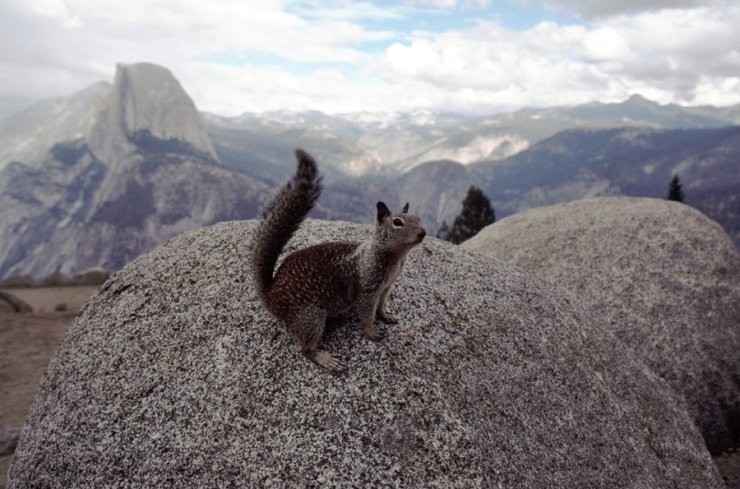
{"x":96,"y":178}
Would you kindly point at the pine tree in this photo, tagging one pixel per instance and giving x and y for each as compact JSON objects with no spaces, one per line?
{"x":675,"y":191}
{"x":476,"y":214}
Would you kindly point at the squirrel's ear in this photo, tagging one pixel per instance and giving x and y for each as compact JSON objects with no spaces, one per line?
{"x":405,"y":208}
{"x":383,"y":211}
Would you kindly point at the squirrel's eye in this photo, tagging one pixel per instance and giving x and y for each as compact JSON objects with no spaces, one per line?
{"x":397,"y":222}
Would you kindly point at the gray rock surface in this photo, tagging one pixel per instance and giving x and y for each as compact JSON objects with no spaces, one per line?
{"x":12,"y":303}
{"x":660,"y":275}
{"x":174,"y":376}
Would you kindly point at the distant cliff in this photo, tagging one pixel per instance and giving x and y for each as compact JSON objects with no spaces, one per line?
{"x":147,"y":102}
{"x":144,"y":172}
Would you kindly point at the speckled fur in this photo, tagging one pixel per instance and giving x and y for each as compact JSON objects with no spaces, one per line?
{"x":325,"y":280}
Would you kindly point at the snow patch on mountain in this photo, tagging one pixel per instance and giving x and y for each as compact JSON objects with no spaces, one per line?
{"x":480,"y":148}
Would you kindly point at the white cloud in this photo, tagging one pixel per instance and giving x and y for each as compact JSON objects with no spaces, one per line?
{"x":231,"y":56}
{"x":56,"y":9}
{"x":434,"y":3}
{"x":607,"y":44}
{"x":449,"y":4}
{"x":683,"y":56}
{"x":606,"y":8}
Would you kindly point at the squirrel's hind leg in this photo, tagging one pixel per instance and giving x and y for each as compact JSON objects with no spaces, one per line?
{"x":309,"y":332}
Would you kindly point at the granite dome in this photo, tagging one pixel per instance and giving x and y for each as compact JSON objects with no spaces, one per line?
{"x":174,"y":376}
{"x":660,"y":275}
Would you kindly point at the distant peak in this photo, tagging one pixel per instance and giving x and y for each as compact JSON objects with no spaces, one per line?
{"x":636,"y":99}
{"x":147,"y":98}
{"x":143,"y":67}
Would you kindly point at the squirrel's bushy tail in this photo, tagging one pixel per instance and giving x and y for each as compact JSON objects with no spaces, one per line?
{"x":282,"y":217}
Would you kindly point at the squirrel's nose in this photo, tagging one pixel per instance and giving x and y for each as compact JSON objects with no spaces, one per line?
{"x":422,"y":234}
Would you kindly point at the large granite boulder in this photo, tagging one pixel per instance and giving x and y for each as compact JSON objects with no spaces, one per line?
{"x":660,"y":275}
{"x":174,"y":376}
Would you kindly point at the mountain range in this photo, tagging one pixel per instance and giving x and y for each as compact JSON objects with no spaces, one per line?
{"x":358,"y":144}
{"x":577,"y":164}
{"x":96,"y":178}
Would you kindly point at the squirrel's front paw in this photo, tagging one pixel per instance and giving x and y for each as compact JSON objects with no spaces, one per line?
{"x":374,"y":334}
{"x":387,"y":318}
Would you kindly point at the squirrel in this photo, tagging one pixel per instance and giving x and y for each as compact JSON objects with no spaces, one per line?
{"x":322,"y":281}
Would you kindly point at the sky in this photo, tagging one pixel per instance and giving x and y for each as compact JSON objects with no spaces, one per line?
{"x":338,"y":56}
